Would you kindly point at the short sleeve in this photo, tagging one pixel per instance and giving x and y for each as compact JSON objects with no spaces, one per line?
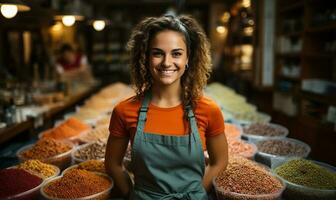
{"x":117,"y":123}
{"x":216,"y":121}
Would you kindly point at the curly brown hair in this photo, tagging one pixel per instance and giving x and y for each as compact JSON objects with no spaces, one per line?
{"x":194,"y":78}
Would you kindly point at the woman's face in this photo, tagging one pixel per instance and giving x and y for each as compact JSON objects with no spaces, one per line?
{"x":167,"y":57}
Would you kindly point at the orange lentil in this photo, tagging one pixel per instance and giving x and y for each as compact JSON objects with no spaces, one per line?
{"x":232,"y":131}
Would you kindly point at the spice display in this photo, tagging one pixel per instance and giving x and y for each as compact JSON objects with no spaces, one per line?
{"x":46,"y":148}
{"x":60,"y":133}
{"x":92,"y":165}
{"x":239,"y":147}
{"x":77,"y":183}
{"x":232,"y":131}
{"x":244,"y":176}
{"x":100,"y":133}
{"x":282,"y":148}
{"x":68,"y":129}
{"x":307,"y":173}
{"x":38,"y":168}
{"x":92,"y":151}
{"x":15,"y":181}
{"x":264,"y":129}
{"x":76,"y":124}
{"x":105,"y":121}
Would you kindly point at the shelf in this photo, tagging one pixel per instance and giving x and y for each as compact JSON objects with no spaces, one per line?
{"x":328,"y":27}
{"x":292,"y":34}
{"x":331,"y":100}
{"x":291,"y":7}
{"x":12,"y":130}
{"x":289,"y":78}
{"x":290,"y":55}
{"x":319,"y":55}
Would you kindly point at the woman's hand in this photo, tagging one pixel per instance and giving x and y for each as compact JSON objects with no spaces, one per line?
{"x":115,"y":151}
{"x":218,"y":158}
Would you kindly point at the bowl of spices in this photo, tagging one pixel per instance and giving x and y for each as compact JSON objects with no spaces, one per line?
{"x":89,"y":165}
{"x":40,"y":169}
{"x":78,"y":184}
{"x":233,"y":131}
{"x":307,"y":179}
{"x":273,"y":151}
{"x":19,"y":184}
{"x":70,"y":130}
{"x":246,"y":179}
{"x":47,"y":150}
{"x":238,"y":148}
{"x":99,"y":133}
{"x":261,"y":131}
{"x":91,"y":151}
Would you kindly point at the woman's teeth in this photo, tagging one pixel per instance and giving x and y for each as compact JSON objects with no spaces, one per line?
{"x":167,"y":71}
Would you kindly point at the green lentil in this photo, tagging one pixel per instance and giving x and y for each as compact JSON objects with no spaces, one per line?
{"x":307,"y":173}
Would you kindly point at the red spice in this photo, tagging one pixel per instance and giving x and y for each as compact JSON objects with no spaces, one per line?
{"x":16,"y":181}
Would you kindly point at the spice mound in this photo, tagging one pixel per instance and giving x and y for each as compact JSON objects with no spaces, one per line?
{"x":16,"y":181}
{"x":68,"y":129}
{"x":38,"y":168}
{"x":92,"y":165}
{"x":247,"y":177}
{"x":46,"y":148}
{"x":231,"y":131}
{"x":264,"y":129}
{"x":307,"y":173}
{"x":239,"y":147}
{"x":100,"y":133}
{"x":282,"y":148}
{"x":77,"y":183}
{"x":91,"y":151}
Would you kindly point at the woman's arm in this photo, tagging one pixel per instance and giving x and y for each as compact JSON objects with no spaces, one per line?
{"x":218,"y":158}
{"x":115,"y":151}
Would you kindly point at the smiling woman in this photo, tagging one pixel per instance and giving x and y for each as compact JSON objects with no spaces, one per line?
{"x":169,"y":122}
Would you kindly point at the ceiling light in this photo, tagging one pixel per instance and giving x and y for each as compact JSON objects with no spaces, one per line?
{"x":99,"y":25}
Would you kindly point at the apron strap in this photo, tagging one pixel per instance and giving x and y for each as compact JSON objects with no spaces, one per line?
{"x":143,"y":111}
{"x":195,"y":134}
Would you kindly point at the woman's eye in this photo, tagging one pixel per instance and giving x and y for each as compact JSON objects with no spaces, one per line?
{"x":157,"y":54}
{"x":177,"y":54}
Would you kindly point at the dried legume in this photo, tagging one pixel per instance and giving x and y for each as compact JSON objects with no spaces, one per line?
{"x":231,"y":131}
{"x":244,"y":176}
{"x":77,"y":183}
{"x":46,"y":148}
{"x":307,"y":173}
{"x":264,"y":129}
{"x":239,"y":147}
{"x":100,"y":133}
{"x":92,"y":151}
{"x":282,"y":148}
{"x":38,"y":168}
{"x":92,"y":165}
{"x":15,"y":181}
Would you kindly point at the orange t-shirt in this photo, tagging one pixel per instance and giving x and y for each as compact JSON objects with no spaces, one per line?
{"x":167,"y":121}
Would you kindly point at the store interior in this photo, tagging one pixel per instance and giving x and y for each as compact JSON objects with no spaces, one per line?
{"x":273,"y":76}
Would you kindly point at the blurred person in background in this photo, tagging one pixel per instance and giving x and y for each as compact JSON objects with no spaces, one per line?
{"x":72,"y":65}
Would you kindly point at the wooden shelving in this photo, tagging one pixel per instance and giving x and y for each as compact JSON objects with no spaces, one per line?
{"x":292,"y":34}
{"x":326,"y":99}
{"x":289,"y":55}
{"x":313,"y":61}
{"x":322,"y":28}
{"x":292,"y":6}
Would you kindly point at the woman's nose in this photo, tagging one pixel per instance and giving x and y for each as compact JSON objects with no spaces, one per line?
{"x":167,"y":61}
